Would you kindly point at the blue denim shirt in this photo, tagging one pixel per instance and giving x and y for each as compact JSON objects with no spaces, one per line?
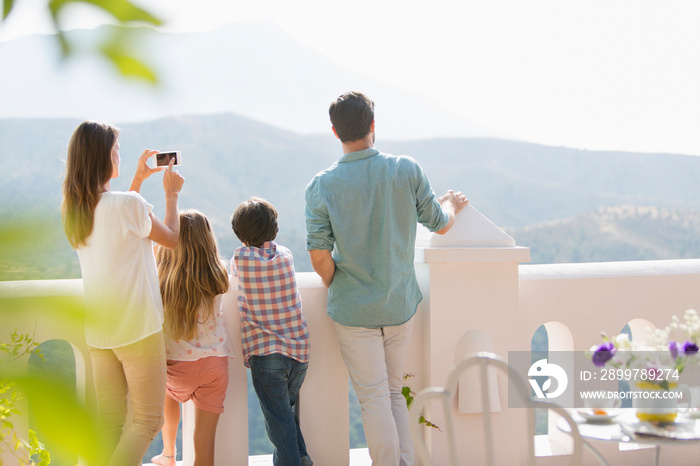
{"x":365,"y":208}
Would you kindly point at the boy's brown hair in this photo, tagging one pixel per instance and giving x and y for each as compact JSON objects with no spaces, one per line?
{"x":255,"y":222}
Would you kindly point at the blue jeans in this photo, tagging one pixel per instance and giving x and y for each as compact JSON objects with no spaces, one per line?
{"x":277,"y":380}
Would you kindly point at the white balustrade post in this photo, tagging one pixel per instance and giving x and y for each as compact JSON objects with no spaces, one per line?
{"x":323,"y":400}
{"x":232,"y":430}
{"x":469,"y":278}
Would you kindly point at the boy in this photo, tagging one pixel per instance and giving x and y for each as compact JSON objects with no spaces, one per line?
{"x":273,"y":329}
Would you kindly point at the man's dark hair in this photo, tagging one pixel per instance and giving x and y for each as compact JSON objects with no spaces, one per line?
{"x":351,"y":115}
{"x":255,"y":221}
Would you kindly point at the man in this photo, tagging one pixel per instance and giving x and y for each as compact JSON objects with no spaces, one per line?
{"x":367,"y":206}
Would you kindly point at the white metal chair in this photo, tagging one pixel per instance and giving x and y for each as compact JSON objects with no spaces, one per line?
{"x":484,"y":361}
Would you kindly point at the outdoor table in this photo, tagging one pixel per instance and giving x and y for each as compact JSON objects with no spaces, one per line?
{"x":612,"y":431}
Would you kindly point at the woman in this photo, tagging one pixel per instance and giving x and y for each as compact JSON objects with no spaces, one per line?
{"x":113,"y":233}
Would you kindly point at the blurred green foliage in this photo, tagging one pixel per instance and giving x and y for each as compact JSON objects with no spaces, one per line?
{"x":410,"y":395}
{"x":26,"y":451}
{"x":58,"y":417}
{"x":113,"y":49}
{"x":57,"y":361}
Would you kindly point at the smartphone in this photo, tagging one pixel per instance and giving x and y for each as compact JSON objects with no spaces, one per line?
{"x":163,"y":158}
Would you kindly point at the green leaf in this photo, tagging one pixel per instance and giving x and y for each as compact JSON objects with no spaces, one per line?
{"x":7,"y":7}
{"x":407,"y":393}
{"x":36,"y":448}
{"x":422,"y":420}
{"x":122,"y":10}
{"x":126,"y":11}
{"x":44,"y":458}
{"x":63,"y":43}
{"x":128,"y":65}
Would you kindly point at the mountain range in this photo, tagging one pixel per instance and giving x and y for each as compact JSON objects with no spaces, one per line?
{"x":552,"y":199}
{"x":624,"y":232}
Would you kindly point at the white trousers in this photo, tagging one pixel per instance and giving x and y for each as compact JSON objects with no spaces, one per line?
{"x":375,"y":360}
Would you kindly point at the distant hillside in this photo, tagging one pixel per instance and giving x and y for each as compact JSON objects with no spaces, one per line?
{"x":518,"y":183}
{"x":228,"y":158}
{"x":616,"y":233}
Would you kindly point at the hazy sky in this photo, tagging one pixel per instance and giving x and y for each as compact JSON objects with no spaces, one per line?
{"x":596,"y":74}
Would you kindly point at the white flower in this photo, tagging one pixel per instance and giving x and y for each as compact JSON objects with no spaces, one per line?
{"x":623,"y":358}
{"x":622,"y":342}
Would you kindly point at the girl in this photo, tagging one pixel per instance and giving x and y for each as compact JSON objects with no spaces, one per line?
{"x":192,"y":280}
{"x":112,"y":233}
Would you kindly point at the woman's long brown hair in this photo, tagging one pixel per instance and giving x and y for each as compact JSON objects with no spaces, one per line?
{"x":192,"y":274}
{"x":88,"y":169}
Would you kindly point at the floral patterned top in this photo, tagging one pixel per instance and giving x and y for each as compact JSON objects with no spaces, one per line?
{"x":211,"y":339}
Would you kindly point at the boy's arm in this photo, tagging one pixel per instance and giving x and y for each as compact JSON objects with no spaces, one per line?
{"x":324,"y":265}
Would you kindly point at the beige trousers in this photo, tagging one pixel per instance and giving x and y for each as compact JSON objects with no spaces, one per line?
{"x":136,"y":371}
{"x":375,"y":359}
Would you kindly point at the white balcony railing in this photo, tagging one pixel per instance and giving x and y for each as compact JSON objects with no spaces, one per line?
{"x":477,"y":297}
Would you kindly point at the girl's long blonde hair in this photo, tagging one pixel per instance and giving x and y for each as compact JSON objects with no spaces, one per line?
{"x":191,"y":275}
{"x":88,"y":169}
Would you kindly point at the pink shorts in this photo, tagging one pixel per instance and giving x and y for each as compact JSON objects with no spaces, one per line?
{"x":204,"y":381}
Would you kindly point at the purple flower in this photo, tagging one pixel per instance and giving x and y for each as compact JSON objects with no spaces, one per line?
{"x":673,"y":348}
{"x":690,"y":348}
{"x":604,"y":353}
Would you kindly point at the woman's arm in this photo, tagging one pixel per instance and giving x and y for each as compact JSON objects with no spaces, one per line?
{"x":167,"y":232}
{"x":143,"y":171}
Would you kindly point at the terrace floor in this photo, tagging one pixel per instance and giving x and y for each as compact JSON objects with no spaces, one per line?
{"x":358,"y":457}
